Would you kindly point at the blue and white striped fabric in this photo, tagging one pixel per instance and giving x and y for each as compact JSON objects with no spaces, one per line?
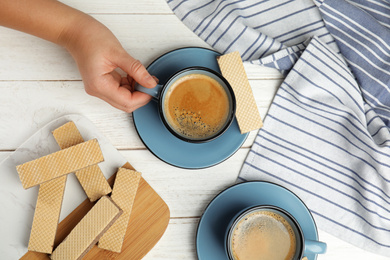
{"x":255,"y":28}
{"x":326,"y":135}
{"x":365,"y":44}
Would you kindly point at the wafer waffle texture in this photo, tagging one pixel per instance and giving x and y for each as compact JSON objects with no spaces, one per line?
{"x":59,"y":163}
{"x":88,"y":231}
{"x":123,"y":194}
{"x":247,"y":113}
{"x":91,"y":178}
{"x":46,"y":216}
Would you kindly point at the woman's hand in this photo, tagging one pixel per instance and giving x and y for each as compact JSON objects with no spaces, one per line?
{"x":98,"y":53}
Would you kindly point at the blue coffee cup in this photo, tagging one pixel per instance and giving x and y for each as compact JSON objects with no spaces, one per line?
{"x":279,"y":216}
{"x":162,"y":92}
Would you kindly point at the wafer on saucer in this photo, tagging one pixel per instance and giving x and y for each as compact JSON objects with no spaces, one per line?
{"x":247,"y":113}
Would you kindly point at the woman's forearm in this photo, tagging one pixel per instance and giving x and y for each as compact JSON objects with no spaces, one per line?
{"x":47,"y":19}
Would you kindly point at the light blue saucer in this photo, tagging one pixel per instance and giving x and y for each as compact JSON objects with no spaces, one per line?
{"x":212,"y":226}
{"x":156,"y":136}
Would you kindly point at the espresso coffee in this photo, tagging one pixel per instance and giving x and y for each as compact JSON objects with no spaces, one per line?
{"x":196,"y":106}
{"x":263,"y":235}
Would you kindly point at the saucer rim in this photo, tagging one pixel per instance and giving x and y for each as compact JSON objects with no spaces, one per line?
{"x":247,"y":182}
{"x":234,"y":119}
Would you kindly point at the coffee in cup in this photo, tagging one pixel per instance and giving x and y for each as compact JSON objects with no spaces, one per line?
{"x":267,"y":232}
{"x":196,"y":106}
{"x":263,"y":235}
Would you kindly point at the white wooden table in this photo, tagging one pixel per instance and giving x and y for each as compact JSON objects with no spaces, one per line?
{"x":40,"y":82}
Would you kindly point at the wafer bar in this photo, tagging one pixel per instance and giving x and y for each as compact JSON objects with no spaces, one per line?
{"x":247,"y":113}
{"x":123,"y":194}
{"x":91,"y":178}
{"x":59,"y":163}
{"x":46,"y":216}
{"x":67,"y":135}
{"x":88,"y":231}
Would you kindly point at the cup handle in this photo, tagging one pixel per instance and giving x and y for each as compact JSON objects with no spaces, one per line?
{"x":315,"y":247}
{"x":154,"y":92}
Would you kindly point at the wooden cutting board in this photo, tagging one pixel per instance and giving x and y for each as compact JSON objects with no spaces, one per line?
{"x":148,"y":222}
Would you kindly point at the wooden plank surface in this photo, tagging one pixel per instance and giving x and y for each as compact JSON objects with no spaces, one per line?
{"x":40,"y":82}
{"x":120,"y":6}
{"x":143,"y":36}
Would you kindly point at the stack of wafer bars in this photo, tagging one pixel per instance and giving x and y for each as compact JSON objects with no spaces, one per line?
{"x":106,"y":223}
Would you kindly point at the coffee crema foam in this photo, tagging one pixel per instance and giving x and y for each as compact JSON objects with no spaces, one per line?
{"x":263,"y":235}
{"x":196,"y":106}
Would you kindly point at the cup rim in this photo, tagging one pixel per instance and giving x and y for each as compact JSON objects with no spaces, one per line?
{"x":229,"y":120}
{"x":251,"y":209}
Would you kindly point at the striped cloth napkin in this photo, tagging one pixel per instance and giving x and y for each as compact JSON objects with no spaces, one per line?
{"x":326,"y":135}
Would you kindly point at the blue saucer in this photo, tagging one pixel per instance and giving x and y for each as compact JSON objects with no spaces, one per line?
{"x":157,"y":137}
{"x":212,"y":226}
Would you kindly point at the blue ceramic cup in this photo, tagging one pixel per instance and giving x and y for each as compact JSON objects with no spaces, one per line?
{"x":191,"y":120}
{"x":279,"y":232}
